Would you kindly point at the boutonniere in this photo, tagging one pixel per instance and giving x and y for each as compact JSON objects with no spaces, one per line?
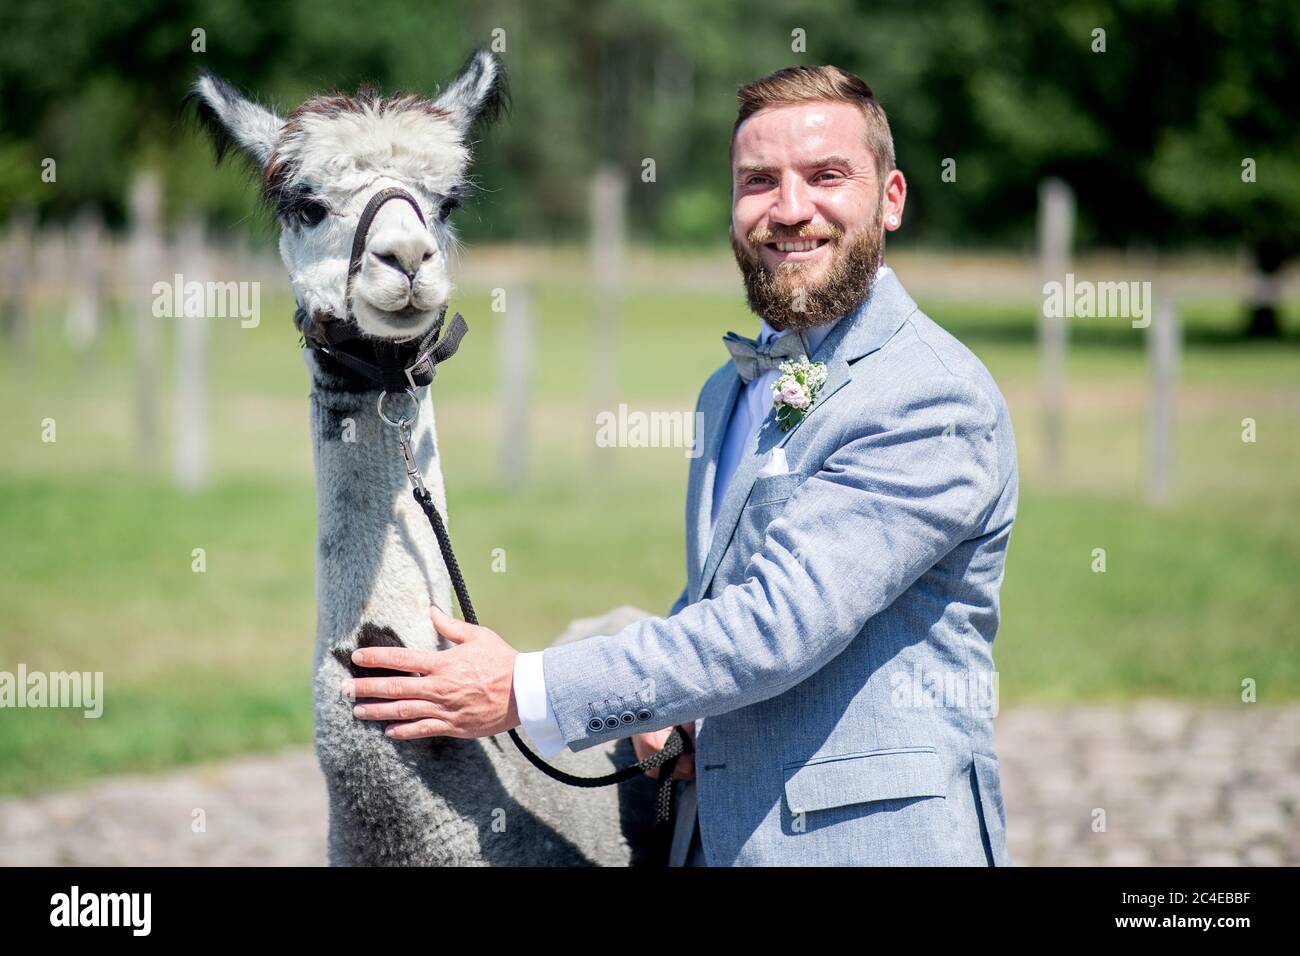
{"x":796,"y":391}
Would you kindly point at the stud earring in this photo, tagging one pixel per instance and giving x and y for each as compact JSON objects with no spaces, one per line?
{"x":893,"y":220}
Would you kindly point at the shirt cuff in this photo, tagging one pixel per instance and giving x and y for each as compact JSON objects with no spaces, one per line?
{"x":534,"y":705}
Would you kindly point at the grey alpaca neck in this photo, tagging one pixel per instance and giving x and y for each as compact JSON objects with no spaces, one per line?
{"x":376,"y":559}
{"x":439,"y":801}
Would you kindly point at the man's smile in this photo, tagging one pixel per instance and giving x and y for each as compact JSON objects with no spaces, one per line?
{"x":796,"y":250}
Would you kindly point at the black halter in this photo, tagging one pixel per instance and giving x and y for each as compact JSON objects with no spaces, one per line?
{"x":363,"y":363}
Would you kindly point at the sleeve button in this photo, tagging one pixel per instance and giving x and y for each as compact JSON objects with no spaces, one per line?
{"x":611,"y":722}
{"x":645,"y":713}
{"x":595,"y":725}
{"x":627,"y":717}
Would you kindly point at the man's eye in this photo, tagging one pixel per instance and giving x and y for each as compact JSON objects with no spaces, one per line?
{"x":449,"y":204}
{"x":311,"y":213}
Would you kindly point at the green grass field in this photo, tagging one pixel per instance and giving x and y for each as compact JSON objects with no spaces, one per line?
{"x":95,"y":568}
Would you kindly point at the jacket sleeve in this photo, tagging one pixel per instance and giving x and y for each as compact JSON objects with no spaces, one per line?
{"x":913,"y":475}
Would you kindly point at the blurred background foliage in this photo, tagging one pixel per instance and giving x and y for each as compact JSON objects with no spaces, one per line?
{"x":1151,"y":133}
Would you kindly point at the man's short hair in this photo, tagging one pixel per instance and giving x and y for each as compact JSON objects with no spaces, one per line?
{"x":808,"y":84}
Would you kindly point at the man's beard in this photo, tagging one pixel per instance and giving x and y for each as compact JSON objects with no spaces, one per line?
{"x":785,"y":299}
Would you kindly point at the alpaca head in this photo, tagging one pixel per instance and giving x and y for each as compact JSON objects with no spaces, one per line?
{"x":322,"y":164}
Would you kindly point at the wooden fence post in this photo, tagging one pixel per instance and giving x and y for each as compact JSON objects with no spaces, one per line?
{"x":516,"y":350}
{"x":1055,"y":232}
{"x":19,"y":261}
{"x":1164,"y":345}
{"x":191,"y":448}
{"x":608,"y":227}
{"x":87,"y":279}
{"x":147,"y":267}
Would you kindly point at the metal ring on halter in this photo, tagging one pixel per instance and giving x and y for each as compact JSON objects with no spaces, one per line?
{"x":404,"y":421}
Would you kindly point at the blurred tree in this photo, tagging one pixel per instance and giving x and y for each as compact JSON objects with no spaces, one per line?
{"x":98,"y":87}
{"x":1151,"y":131}
{"x":1148,"y":108}
{"x":1232,"y":169}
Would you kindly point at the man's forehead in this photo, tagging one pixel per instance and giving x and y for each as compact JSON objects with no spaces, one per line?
{"x":801,"y":131}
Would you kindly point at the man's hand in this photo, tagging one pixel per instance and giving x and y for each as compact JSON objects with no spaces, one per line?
{"x":653,"y":742}
{"x":464,"y":691}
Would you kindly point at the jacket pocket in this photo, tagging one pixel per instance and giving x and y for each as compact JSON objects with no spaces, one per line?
{"x":843,"y":779}
{"x":773,"y":488}
{"x":988,"y":780}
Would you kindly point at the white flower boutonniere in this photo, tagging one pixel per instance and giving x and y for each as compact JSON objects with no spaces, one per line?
{"x":796,"y":391}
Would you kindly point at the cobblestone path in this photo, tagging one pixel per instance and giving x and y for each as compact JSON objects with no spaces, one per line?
{"x":1149,"y":784}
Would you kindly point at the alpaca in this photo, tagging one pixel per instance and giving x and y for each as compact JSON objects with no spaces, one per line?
{"x":440,"y":800}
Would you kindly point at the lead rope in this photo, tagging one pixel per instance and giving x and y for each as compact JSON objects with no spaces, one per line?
{"x":678,"y":742}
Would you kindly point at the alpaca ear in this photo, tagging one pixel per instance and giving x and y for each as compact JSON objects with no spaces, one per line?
{"x":232,"y":119}
{"x":477,"y":94}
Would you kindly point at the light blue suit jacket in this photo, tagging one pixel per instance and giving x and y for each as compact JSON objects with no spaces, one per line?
{"x":833,"y":644}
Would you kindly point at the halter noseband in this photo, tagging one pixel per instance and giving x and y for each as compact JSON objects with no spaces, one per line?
{"x":363,"y":363}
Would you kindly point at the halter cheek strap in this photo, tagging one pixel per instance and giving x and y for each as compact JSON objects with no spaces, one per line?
{"x":363,"y":363}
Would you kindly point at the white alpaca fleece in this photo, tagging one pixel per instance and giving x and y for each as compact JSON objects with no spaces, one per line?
{"x":344,"y":153}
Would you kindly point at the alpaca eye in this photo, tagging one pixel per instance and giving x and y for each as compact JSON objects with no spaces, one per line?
{"x":448,"y":205}
{"x":311,"y":213}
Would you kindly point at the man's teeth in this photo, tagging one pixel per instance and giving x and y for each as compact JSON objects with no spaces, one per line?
{"x":805,"y":245}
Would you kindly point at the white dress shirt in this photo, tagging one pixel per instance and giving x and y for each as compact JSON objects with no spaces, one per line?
{"x":752,"y":406}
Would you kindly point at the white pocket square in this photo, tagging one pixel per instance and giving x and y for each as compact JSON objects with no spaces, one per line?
{"x":775,"y":464}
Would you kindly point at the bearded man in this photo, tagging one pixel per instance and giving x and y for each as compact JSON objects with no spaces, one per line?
{"x":847,"y":527}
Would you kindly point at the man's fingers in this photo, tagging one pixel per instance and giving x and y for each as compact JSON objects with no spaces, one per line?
{"x":454,"y":630}
{"x":397,"y":710}
{"x":390,"y":688}
{"x":643,"y":745}
{"x":415,"y":729}
{"x":684,"y":769}
{"x":394,"y":659}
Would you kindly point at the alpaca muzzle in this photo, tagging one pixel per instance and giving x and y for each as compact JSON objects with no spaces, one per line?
{"x":361,"y":362}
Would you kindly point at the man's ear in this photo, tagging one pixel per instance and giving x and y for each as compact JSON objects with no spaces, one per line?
{"x":232,"y":119}
{"x":478,"y":93}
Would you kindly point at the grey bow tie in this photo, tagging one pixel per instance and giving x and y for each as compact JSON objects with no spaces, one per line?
{"x":752,"y":359}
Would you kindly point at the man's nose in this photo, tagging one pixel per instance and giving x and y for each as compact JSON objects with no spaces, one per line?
{"x":793,"y":203}
{"x":402,"y":248}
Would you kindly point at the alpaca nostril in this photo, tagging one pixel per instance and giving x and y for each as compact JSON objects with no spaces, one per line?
{"x":402,"y":250}
{"x":402,"y":263}
{"x":396,"y":264}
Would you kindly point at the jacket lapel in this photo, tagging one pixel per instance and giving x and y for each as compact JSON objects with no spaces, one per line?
{"x":737,"y":493}
{"x":857,"y":334}
{"x":718,"y":401}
